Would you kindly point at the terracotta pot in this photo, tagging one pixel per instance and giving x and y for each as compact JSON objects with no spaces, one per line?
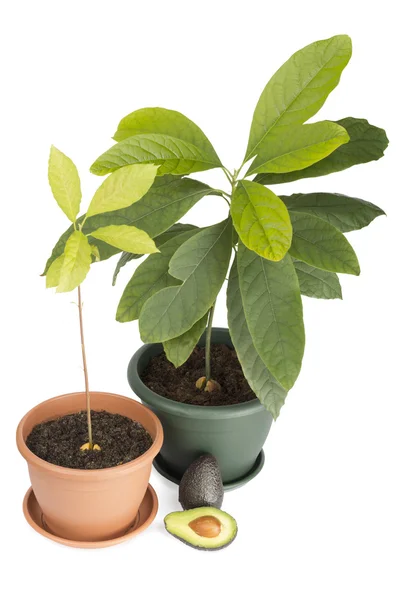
{"x":89,"y":505}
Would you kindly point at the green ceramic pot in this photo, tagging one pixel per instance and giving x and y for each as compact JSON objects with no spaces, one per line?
{"x":234,"y":434}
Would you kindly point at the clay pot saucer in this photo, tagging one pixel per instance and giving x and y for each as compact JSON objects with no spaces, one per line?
{"x":162,"y":468}
{"x":146,"y":514}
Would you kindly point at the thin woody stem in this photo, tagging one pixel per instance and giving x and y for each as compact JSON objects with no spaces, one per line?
{"x":89,"y":417}
{"x":208,"y":342}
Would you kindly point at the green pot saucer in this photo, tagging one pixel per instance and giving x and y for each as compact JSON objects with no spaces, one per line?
{"x":161,"y":468}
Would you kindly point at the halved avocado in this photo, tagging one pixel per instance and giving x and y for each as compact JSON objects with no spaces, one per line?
{"x":205,"y":528}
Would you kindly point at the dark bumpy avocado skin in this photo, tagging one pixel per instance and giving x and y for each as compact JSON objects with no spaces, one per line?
{"x":201,"y":484}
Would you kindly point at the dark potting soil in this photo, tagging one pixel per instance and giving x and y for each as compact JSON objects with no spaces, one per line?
{"x":58,"y":441}
{"x":180,"y":384}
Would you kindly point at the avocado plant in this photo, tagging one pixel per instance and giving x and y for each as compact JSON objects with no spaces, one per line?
{"x":283,"y":246}
{"x":72,"y":265}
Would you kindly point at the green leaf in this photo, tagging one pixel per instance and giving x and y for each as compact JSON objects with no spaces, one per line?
{"x":150,"y":277}
{"x":274,"y":314}
{"x":164,"y":204}
{"x":123,"y":260}
{"x":343,"y":212}
{"x":174,"y":155}
{"x":173,"y":231}
{"x":180,"y":348}
{"x":321,"y":245}
{"x":316,"y":283}
{"x":166,"y":122}
{"x":367,"y":143}
{"x":77,"y":261}
{"x":65,"y":183}
{"x":95,"y":252}
{"x":298,"y":147}
{"x":201,"y":264}
{"x":125,"y":237}
{"x":235,"y":238}
{"x":53,"y":274}
{"x":261,"y":220}
{"x":270,"y":393}
{"x":158,"y":240}
{"x":123,"y":188}
{"x":298,"y":89}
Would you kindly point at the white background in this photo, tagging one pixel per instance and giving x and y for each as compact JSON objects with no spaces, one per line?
{"x":322,"y":519}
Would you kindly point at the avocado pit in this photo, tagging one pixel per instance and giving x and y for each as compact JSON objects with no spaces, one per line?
{"x":86,"y":446}
{"x":207,"y":526}
{"x":208,"y":386}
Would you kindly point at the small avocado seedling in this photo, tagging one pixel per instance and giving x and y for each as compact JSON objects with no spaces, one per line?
{"x":70,"y":263}
{"x":201,"y":484}
{"x":204,"y":528}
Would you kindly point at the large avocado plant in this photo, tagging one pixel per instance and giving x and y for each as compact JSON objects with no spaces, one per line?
{"x":283,"y":246}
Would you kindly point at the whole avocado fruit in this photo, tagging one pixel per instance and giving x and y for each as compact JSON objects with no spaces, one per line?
{"x":201,"y":484}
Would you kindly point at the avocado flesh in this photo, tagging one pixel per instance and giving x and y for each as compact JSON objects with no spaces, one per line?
{"x":178,"y":525}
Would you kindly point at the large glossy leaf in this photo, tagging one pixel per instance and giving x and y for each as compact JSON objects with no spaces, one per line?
{"x":343,"y":212}
{"x":164,"y":204}
{"x":174,"y":155}
{"x":76,"y":264}
{"x":261,"y":220}
{"x":127,"y":238}
{"x":180,"y":348}
{"x":173,"y":231}
{"x":321,"y":245}
{"x":122,"y":188}
{"x":270,"y":393}
{"x":367,"y":143}
{"x":298,"y":147}
{"x":316,"y":283}
{"x":150,"y":277}
{"x":298,"y":89}
{"x":166,"y":122}
{"x":274,"y":314}
{"x":65,"y":183}
{"x":201,"y":264}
